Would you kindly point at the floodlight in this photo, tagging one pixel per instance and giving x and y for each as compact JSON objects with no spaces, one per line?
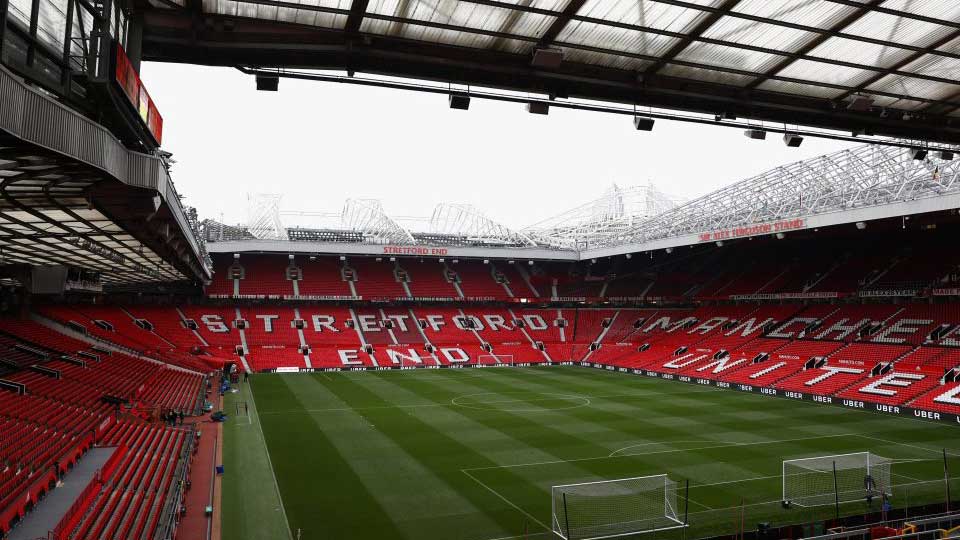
{"x":757,"y":134}
{"x":861,"y":225}
{"x":918,"y":154}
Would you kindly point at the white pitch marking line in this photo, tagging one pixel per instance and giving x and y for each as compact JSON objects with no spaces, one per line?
{"x":504,"y":499}
{"x":617,"y":451}
{"x":701,"y":505}
{"x":276,"y":485}
{"x":533,"y":535}
{"x":924,"y":448}
{"x":671,"y":451}
{"x":374,"y":407}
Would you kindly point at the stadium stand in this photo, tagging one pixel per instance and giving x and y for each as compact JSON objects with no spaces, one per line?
{"x":70,"y":395}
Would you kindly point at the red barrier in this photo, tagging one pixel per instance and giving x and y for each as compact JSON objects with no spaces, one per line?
{"x":112,"y":463}
{"x":76,"y":511}
{"x":15,"y":504}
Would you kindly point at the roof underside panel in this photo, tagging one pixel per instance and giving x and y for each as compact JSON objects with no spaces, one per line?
{"x":748,"y":58}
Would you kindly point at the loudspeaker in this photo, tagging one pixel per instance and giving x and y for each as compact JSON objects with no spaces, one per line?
{"x":643,"y":123}
{"x":268,"y":83}
{"x":460,"y":101}
{"x":538,"y":107}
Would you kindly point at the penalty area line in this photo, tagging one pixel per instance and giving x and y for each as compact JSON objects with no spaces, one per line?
{"x":506,"y":500}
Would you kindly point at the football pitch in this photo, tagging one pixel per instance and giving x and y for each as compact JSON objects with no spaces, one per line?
{"x":471,"y":454}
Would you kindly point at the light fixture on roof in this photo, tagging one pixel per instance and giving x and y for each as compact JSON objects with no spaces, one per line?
{"x":530,"y":263}
{"x":342,"y":258}
{"x":792,"y":140}
{"x":268,"y":83}
{"x":547,"y":57}
{"x":918,"y":153}
{"x":861,"y":225}
{"x":719,"y":243}
{"x":236,"y":256}
{"x":756,"y":134}
{"x":455,"y":261}
{"x":946,"y":155}
{"x":460,"y":101}
{"x":629,"y":256}
{"x":860,"y":103}
{"x":780,"y":236}
{"x":393,"y":259}
{"x":486,"y":261}
{"x":643,"y":123}
{"x":670,"y":250}
{"x":538,"y":107}
{"x":290,"y":257}
{"x":440,"y":260}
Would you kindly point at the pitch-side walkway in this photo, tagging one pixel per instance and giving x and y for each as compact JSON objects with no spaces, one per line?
{"x":48,"y":512}
{"x":196,"y":524}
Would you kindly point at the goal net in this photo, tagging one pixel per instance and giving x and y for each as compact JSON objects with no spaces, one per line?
{"x":813,"y":482}
{"x":613,"y":508}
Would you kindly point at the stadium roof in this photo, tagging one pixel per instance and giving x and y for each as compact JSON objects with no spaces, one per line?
{"x":857,"y":185}
{"x":865,"y":183}
{"x":72,"y":195}
{"x":888,"y":68}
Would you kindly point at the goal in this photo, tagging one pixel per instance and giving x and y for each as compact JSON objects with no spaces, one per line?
{"x":825,"y":480}
{"x":612,"y":508}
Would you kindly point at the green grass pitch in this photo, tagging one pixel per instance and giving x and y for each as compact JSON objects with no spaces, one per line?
{"x":471,"y":454}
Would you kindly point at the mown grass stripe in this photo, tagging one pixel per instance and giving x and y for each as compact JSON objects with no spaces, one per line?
{"x":319,"y":481}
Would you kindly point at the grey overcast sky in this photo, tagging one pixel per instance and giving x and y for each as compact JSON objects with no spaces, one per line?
{"x":319,"y":144}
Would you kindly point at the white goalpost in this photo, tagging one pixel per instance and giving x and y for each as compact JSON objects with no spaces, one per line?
{"x":611,"y":508}
{"x":841,"y":478}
